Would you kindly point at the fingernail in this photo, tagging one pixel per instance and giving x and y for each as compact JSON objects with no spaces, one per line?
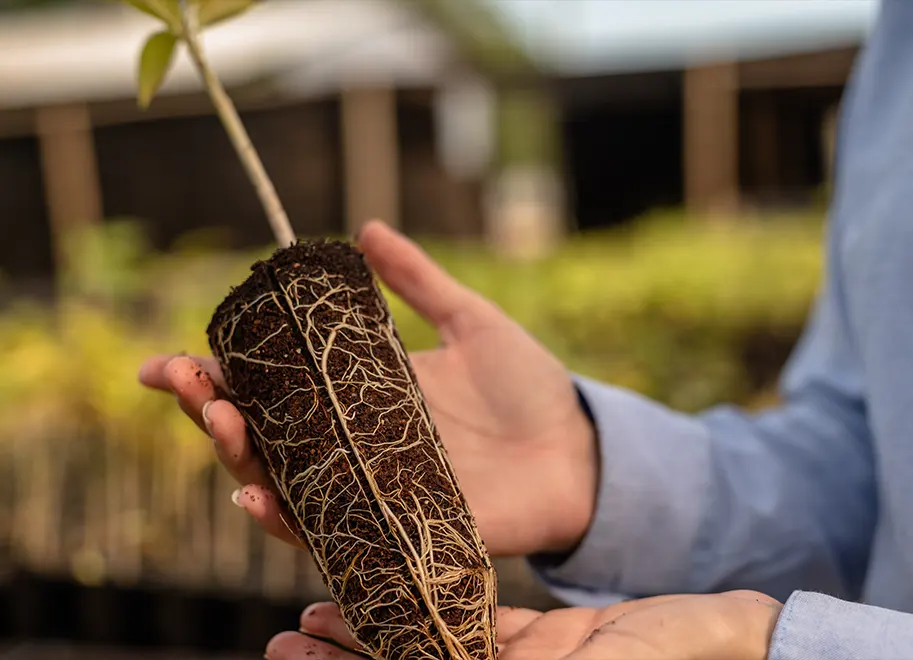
{"x":236,"y":498}
{"x":308,"y":612}
{"x":206,"y":421}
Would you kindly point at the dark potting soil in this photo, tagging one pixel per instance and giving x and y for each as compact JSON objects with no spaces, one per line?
{"x":315,"y":365}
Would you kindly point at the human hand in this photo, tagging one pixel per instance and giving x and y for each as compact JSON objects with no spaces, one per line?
{"x":731,"y":626}
{"x":521,"y":446}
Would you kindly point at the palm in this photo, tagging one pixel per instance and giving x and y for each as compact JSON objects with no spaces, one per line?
{"x":502,"y":405}
{"x":731,"y":626}
{"x":495,"y":384}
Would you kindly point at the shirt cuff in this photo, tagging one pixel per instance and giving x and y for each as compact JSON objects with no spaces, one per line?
{"x":815,"y":626}
{"x":652,"y":494}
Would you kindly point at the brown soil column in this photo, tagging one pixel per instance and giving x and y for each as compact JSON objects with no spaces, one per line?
{"x":317,"y":368}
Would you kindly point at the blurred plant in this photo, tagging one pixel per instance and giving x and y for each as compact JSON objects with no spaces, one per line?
{"x":688,"y":313}
{"x":666,"y":309}
{"x":105,"y":266}
{"x":159,"y":50}
{"x":183,"y":21}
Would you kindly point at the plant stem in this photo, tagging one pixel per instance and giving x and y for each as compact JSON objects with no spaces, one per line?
{"x":275,"y":213}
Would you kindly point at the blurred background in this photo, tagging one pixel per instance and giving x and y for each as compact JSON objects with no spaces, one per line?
{"x":643,"y":185}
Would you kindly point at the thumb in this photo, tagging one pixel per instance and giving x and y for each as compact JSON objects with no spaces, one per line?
{"x":425,"y":286}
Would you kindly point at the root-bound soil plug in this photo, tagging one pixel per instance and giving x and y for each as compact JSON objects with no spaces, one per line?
{"x":314,"y":362}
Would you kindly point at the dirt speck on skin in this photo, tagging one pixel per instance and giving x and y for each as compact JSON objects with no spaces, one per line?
{"x":203,"y":377}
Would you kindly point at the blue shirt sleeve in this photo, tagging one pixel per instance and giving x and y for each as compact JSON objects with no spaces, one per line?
{"x":775,"y":502}
{"x":814,"y":625}
{"x":779,"y":501}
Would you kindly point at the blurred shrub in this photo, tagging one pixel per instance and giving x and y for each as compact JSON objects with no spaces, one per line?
{"x":109,"y":479}
{"x":687,"y":312}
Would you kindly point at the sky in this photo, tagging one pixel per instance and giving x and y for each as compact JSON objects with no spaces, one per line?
{"x":599,"y":35}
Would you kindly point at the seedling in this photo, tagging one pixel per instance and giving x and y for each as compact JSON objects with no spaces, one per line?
{"x":313,"y":361}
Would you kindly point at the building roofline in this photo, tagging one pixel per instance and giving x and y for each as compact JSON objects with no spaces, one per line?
{"x":89,"y":52}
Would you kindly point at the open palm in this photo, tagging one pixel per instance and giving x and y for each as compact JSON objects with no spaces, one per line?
{"x":506,"y":410}
{"x":731,"y":626}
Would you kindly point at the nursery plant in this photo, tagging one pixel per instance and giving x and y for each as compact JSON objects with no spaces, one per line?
{"x":313,"y":360}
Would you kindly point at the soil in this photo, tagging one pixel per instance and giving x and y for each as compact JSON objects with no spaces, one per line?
{"x":314,"y":363}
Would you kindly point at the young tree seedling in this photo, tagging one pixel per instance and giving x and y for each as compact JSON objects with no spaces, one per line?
{"x":314,"y":362}
{"x":183,"y":20}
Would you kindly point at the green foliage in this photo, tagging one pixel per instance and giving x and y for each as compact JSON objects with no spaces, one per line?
{"x":155,"y":61}
{"x":527,"y":127}
{"x":681,"y":311}
{"x":106,"y":265}
{"x":158,"y":52}
{"x":690,"y":314}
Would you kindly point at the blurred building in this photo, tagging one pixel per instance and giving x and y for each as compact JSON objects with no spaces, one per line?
{"x":716,"y":138}
{"x":362,"y":108}
{"x":448,"y":118}
{"x":716,"y":106}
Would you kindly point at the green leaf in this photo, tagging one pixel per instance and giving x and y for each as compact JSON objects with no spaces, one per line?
{"x":216,"y":11}
{"x":154,"y":64}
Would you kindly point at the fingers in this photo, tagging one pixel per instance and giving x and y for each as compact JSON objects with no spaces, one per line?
{"x":551,"y":635}
{"x":529,"y":635}
{"x":192,"y":384}
{"x":236,"y":453}
{"x":295,"y":646}
{"x":194,"y":380}
{"x":264,"y":507}
{"x":225,"y":425}
{"x":511,"y":620}
{"x":325,"y":620}
{"x":190,"y":380}
{"x":419,"y":280}
{"x":152,"y":372}
{"x":323,"y":636}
